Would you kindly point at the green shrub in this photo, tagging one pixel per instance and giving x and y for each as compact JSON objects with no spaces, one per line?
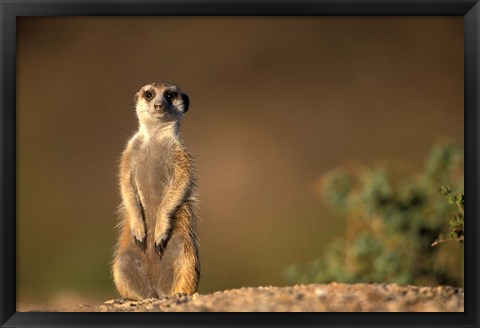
{"x":391,"y":224}
{"x":456,"y":223}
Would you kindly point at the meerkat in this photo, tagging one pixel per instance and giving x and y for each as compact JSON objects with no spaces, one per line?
{"x":157,"y":250}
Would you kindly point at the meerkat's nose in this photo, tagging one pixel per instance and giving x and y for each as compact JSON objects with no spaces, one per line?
{"x":158,"y":105}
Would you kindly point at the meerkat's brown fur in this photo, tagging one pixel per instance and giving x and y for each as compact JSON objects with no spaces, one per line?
{"x":157,"y":250}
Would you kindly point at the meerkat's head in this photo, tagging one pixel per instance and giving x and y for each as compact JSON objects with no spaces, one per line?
{"x":160,"y":102}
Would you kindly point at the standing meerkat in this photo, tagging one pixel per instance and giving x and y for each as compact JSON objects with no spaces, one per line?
{"x":157,"y":250}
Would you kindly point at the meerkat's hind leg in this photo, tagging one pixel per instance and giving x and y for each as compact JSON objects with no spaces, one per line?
{"x":166,"y":266}
{"x":130,"y":275}
{"x":187,"y":272}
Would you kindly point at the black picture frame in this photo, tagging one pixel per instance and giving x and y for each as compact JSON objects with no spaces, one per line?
{"x":10,"y":10}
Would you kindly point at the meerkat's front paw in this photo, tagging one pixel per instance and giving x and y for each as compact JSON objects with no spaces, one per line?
{"x":141,"y":244}
{"x":140,"y":237}
{"x":161,"y":244}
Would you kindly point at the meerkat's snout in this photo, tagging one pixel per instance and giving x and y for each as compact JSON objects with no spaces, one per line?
{"x":159,"y":105}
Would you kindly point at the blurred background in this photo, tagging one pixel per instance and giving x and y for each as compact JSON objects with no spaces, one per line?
{"x":277,"y":103}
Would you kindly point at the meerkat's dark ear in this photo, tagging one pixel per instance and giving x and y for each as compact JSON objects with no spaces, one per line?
{"x":186,"y":102}
{"x":135,"y":99}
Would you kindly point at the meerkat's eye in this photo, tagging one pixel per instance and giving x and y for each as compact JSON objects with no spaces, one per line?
{"x":148,"y":94}
{"x":170,"y":95}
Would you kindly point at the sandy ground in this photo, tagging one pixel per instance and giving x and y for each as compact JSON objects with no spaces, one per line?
{"x":300,"y":298}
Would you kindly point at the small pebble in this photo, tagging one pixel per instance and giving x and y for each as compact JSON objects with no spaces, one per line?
{"x":149,"y":307}
{"x":103,"y":308}
{"x":321,"y":293}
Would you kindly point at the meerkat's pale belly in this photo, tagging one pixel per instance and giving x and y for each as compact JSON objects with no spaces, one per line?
{"x":152,"y":175}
